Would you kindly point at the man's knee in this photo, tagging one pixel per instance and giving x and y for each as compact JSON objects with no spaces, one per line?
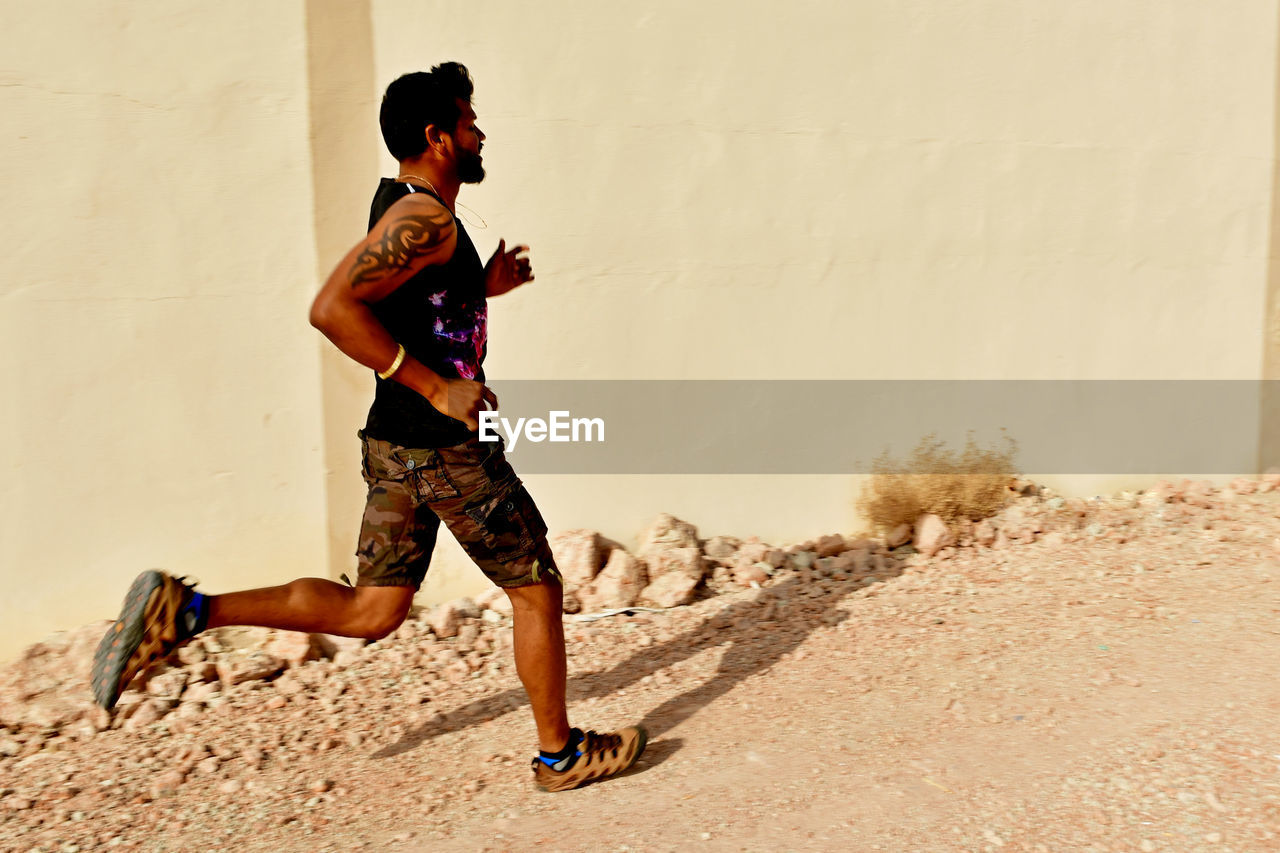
{"x":547,"y":595}
{"x":382,"y":609}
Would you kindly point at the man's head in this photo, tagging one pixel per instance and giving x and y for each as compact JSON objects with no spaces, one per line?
{"x":430,"y":111}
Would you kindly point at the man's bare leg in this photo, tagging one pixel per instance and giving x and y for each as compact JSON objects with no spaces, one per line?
{"x":316,"y":605}
{"x":540,"y":658}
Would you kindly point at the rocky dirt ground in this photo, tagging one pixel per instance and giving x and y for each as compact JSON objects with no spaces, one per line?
{"x":1100,"y":676}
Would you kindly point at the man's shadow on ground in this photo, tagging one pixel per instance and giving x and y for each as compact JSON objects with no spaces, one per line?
{"x":760,"y":631}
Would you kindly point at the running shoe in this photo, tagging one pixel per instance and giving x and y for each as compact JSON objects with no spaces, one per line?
{"x":149,"y":628}
{"x":597,"y":757}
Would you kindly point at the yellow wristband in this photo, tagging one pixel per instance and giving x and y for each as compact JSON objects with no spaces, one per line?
{"x":395,"y":365}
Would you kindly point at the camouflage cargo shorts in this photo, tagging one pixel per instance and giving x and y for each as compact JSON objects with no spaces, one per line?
{"x":473,"y":490}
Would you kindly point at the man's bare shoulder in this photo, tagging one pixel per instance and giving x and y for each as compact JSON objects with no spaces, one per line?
{"x":416,"y":231}
{"x":418,"y":208}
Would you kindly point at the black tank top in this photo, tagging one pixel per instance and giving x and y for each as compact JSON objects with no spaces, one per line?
{"x":441,"y":317}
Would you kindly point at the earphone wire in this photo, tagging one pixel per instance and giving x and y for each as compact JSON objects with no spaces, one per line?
{"x":462,"y":207}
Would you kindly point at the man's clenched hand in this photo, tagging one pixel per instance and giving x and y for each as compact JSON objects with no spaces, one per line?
{"x":506,"y":270}
{"x":463,"y":400}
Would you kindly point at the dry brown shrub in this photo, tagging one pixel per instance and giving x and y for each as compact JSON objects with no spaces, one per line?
{"x":971,"y":484}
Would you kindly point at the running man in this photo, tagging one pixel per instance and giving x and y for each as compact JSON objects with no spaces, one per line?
{"x":409,"y":302}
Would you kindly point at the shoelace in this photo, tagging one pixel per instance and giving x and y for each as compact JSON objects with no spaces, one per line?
{"x":594,"y":743}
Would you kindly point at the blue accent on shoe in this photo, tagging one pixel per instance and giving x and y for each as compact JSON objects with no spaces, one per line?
{"x":565,"y":758}
{"x":194,"y":616}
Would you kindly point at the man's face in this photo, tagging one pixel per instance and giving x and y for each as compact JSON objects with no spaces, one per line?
{"x":468,"y":140}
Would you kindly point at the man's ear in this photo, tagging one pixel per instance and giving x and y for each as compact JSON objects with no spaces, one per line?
{"x":435,"y":137}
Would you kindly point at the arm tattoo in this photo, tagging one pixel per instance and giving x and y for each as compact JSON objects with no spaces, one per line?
{"x":403,"y":240}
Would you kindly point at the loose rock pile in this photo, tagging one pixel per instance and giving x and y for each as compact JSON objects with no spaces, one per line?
{"x":457,"y":646}
{"x":44,"y":697}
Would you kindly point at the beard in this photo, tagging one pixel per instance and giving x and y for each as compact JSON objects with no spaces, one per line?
{"x":470,"y":168}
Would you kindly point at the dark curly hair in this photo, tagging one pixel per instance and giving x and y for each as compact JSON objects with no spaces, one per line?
{"x":416,"y":100}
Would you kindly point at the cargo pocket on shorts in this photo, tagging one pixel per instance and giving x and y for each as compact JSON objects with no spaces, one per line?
{"x":432,"y":480}
{"x":510,"y":526}
{"x":419,"y":470}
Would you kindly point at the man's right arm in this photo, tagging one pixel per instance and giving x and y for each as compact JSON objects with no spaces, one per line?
{"x":416,"y":232}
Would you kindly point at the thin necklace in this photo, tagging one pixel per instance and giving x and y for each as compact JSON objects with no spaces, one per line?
{"x":481,"y":224}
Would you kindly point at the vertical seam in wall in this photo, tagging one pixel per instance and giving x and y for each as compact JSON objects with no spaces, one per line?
{"x":340,"y":100}
{"x":1269,"y":401}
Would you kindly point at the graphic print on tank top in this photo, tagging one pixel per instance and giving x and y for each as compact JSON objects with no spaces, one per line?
{"x":461,"y":327}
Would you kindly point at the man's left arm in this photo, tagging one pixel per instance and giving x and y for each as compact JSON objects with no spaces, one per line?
{"x":507,"y":270}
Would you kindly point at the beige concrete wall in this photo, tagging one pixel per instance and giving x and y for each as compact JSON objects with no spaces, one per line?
{"x":870,"y":190}
{"x":160,"y":382}
{"x":1269,"y":422}
{"x":345,"y":141}
{"x":751,"y":190}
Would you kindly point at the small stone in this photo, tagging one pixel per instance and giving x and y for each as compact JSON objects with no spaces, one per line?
{"x":148,"y":712}
{"x":1244,"y":486}
{"x":288,"y":685}
{"x":446,"y":619}
{"x":231,"y":786}
{"x":331,"y":645}
{"x":192,"y":653}
{"x":320,"y":786}
{"x":670,"y":590}
{"x":829,"y":546}
{"x":751,"y":552}
{"x":167,"y":686}
{"x":667,"y":532}
{"x":344,"y":659}
{"x":898,"y":536}
{"x":619,"y":583}
{"x":467,"y":636}
{"x":293,"y":647}
{"x":166,"y":784}
{"x":721,"y":548}
{"x":984,"y":533}
{"x":579,"y":554}
{"x":746,"y":574}
{"x":683,"y":561}
{"x":252,"y":757}
{"x":802,"y":560}
{"x":202,"y":692}
{"x":931,"y":535}
{"x":254,"y":667}
{"x":202,"y":672}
